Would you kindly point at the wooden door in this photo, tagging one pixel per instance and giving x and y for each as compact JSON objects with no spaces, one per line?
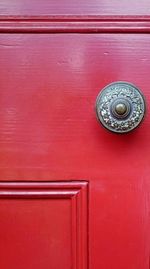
{"x":72,"y":194}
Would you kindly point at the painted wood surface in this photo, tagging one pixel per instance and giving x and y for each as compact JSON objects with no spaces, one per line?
{"x":64,"y":7}
{"x":49,"y":132}
{"x":74,"y":24}
{"x":43,"y":225}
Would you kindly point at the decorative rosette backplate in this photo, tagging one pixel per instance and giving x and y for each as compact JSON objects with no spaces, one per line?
{"x":120,"y":107}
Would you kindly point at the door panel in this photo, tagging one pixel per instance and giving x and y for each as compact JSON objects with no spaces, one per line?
{"x":49,"y":84}
{"x":49,"y":132}
{"x":43,"y":225}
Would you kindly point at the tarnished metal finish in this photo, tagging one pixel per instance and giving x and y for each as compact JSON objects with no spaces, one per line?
{"x":120,"y":107}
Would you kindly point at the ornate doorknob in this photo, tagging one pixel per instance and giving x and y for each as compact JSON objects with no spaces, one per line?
{"x":120,"y":107}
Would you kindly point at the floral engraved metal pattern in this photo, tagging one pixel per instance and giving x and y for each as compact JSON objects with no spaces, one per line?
{"x":120,"y":94}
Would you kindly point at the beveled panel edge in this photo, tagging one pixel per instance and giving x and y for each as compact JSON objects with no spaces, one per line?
{"x":41,"y":189}
{"x":80,"y":228}
{"x":74,"y":24}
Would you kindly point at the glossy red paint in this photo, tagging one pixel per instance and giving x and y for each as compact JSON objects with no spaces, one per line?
{"x":51,"y":74}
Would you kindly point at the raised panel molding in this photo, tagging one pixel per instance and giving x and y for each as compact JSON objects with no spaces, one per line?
{"x":76,"y":192}
{"x":74,"y":24}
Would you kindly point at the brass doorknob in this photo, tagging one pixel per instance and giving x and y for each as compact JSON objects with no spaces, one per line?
{"x":120,"y":107}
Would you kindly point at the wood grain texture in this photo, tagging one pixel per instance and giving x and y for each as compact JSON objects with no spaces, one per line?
{"x":47,"y":219}
{"x":86,"y":7}
{"x":41,"y":115}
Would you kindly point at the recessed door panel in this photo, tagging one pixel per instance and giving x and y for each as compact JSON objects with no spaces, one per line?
{"x":43,"y":225}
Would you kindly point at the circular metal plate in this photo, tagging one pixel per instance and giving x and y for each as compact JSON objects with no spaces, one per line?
{"x":116,"y":96}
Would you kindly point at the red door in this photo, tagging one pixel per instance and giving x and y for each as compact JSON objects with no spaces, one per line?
{"x":73,"y":195}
